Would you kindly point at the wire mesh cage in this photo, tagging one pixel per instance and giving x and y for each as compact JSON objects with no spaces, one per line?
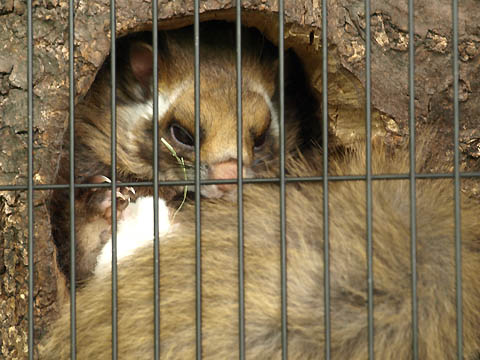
{"x":326,"y":179}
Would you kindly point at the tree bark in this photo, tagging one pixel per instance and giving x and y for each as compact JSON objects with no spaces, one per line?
{"x":346,"y":79}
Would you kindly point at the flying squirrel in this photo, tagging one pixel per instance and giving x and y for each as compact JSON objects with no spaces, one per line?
{"x":392,"y":279}
{"x":176,"y":113}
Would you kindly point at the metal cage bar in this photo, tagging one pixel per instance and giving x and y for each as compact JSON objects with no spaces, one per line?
{"x":113,"y":57}
{"x":412,"y":176}
{"x":458,"y":235}
{"x":413,"y":206}
{"x":247,"y":181}
{"x":71,"y":184}
{"x":326,"y":239}
{"x":30,"y":179}
{"x":198,"y":248}
{"x":368,"y":139}
{"x":466,"y":174}
{"x":241,"y":284}
{"x":283,"y":225}
{"x":156,"y":240}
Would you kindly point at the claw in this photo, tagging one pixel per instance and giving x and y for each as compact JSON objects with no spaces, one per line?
{"x":99,"y":200}
{"x":122,"y":201}
{"x":122,"y":196}
{"x":99,"y":179}
{"x":127,"y":190}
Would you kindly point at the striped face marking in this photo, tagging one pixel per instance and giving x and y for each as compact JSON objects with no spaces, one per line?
{"x":218,"y":131}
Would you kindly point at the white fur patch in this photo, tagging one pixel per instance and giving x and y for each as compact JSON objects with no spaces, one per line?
{"x":166,"y":100}
{"x":134,"y":230}
{"x":274,"y":126}
{"x":164,"y":103}
{"x":135,"y":112}
{"x":145,"y":110}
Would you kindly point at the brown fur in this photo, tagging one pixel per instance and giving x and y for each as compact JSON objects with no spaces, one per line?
{"x":134,"y":151}
{"x":348,"y":267}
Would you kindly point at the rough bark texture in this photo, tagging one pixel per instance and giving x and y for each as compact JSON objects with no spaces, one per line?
{"x":346,"y":34}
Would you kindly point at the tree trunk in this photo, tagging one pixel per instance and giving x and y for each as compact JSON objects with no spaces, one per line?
{"x":346,"y":36}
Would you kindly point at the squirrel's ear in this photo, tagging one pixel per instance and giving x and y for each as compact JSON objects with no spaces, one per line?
{"x":141,"y":62}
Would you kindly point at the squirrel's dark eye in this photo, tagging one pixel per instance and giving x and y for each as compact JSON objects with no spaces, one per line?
{"x":260,"y":140}
{"x":181,"y":135}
